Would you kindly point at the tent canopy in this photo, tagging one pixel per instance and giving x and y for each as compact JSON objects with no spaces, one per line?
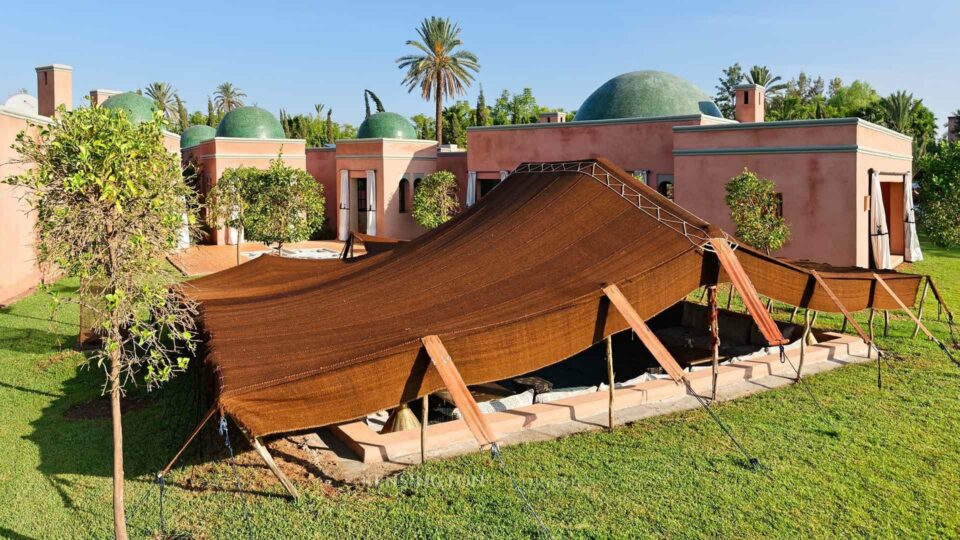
{"x":510,"y":285}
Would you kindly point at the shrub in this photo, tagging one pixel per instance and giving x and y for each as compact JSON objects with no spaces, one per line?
{"x":754,"y":207}
{"x":435,"y":200}
{"x":939,"y":216}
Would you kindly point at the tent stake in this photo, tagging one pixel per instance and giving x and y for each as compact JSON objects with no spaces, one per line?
{"x":272,"y":465}
{"x":886,"y":322}
{"x":425,"y":412}
{"x":611,"y":381}
{"x":923,"y":296}
{"x":714,"y":336}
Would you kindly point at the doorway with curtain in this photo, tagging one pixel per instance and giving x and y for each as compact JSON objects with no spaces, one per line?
{"x":358,"y":205}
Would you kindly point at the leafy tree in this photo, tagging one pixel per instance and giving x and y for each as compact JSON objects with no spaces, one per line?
{"x":110,"y":204}
{"x":283,"y":204}
{"x":845,"y":101}
{"x":482,"y":116}
{"x":501,"y":109}
{"x":330,"y":137}
{"x":754,"y":208}
{"x":425,"y":126}
{"x":164,"y":98}
{"x":439,"y":69}
{"x":227,"y":201}
{"x":726,"y":98}
{"x":457,"y":118}
{"x":939,"y":216}
{"x":523,"y":108}
{"x":435,"y":201}
{"x":228,"y":97}
{"x":212,"y":119}
{"x":182,"y":117}
{"x":761,"y":75}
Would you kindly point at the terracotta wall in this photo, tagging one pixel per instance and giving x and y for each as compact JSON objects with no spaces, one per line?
{"x":455,"y":162}
{"x":322,"y":165}
{"x":20,"y":273}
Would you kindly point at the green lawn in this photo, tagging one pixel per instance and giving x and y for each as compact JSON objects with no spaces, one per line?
{"x":887,"y":465}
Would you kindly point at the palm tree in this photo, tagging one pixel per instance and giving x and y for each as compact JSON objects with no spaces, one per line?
{"x":762,"y":76}
{"x":438,"y":69}
{"x":227,"y":97}
{"x":899,"y":109}
{"x":164,"y":98}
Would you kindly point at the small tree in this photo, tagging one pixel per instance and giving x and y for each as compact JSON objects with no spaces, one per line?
{"x":435,"y":200}
{"x":283,"y":204}
{"x":939,"y":216}
{"x":754,"y":207}
{"x":227,"y":201}
{"x":110,"y":201}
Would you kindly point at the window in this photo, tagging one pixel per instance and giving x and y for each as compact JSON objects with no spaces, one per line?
{"x":665,"y":185}
{"x":416,"y":185}
{"x":404,"y":186}
{"x":746,"y":97}
{"x":641,"y":175}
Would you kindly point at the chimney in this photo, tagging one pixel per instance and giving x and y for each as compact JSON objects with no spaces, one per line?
{"x":99,"y":95}
{"x":953,"y":128}
{"x":750,"y":102}
{"x":553,"y":117}
{"x":54,"y":88}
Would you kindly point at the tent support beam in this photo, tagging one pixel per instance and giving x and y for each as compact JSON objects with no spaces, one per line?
{"x":193,"y":435}
{"x":847,"y":316}
{"x":923,"y":296}
{"x":916,"y":320}
{"x":807,"y":323}
{"x":458,"y":391}
{"x":425,"y":413}
{"x":272,"y":465}
{"x":741,"y":281}
{"x":611,"y":380}
{"x":659,"y":352}
{"x":714,"y":336}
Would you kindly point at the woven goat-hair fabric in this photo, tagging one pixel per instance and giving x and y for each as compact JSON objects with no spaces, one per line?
{"x":510,"y":285}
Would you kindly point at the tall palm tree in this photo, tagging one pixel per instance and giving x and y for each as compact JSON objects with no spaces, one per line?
{"x":762,"y":76}
{"x":164,"y":98}
{"x":438,"y":69}
{"x":228,"y":97}
{"x":899,"y":109}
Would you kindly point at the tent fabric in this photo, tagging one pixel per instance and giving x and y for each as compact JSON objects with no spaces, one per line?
{"x":911,"y":252}
{"x":510,"y":285}
{"x":879,"y":233}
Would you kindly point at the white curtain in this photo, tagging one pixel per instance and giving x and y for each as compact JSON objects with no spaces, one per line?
{"x":471,"y":187}
{"x":183,"y":241}
{"x":504,"y":175}
{"x":372,"y":203}
{"x":879,"y":234}
{"x":344,"y":221}
{"x":911,"y":244}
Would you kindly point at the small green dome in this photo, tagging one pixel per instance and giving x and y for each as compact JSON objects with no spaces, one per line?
{"x":645,"y":94}
{"x":195,"y":135}
{"x":250,"y":123}
{"x":386,"y":125}
{"x":138,"y":108}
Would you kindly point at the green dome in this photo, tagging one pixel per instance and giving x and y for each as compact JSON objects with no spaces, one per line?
{"x":645,"y":94}
{"x":195,"y":135}
{"x":138,"y":109}
{"x":386,"y":125}
{"x":250,"y":123}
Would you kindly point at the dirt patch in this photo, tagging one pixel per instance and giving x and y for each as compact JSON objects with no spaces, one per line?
{"x":99,"y":409}
{"x":62,"y":356}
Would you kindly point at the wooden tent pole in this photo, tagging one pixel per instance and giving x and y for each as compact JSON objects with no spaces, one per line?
{"x":904,"y":307}
{"x":739,"y":278}
{"x":656,"y":348}
{"x":272,"y":465}
{"x":886,"y":322}
{"x":425,"y":412}
{"x":941,"y":303}
{"x":458,"y":391}
{"x":714,"y":335}
{"x":729,"y":297}
{"x":193,"y":435}
{"x":870,"y":326}
{"x":807,"y":323}
{"x":923,"y":296}
{"x":611,"y":381}
{"x":793,"y":314}
{"x":847,"y":316}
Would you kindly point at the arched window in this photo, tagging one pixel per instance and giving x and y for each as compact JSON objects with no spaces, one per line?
{"x":404,"y":186}
{"x":416,"y":185}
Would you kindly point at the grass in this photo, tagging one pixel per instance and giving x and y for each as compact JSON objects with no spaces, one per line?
{"x":884,"y":465}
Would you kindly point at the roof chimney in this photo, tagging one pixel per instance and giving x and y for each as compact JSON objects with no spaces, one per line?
{"x":99,"y":95}
{"x":953,"y":128}
{"x":54,"y":88}
{"x":750,"y":102}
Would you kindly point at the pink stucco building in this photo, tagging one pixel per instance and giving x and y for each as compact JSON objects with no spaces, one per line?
{"x":656,"y":125}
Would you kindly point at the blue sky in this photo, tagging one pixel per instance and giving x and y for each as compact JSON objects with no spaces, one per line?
{"x":295,"y":54}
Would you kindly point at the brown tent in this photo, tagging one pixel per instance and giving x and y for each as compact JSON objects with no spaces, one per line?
{"x":511,"y":285}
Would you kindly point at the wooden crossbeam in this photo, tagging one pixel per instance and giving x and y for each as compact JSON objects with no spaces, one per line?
{"x":741,"y":281}
{"x":656,"y":348}
{"x":904,"y":307}
{"x":843,"y":309}
{"x":458,"y":390}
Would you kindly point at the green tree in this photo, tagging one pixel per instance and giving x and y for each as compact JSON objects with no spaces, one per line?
{"x":845,"y":101}
{"x":110,"y":204}
{"x":482,"y":115}
{"x":726,"y":98}
{"x":227,"y":201}
{"x":435,"y":201}
{"x":212,"y":119}
{"x":501,"y":109}
{"x":425,"y":126}
{"x":523,"y":108}
{"x":182,"y":116}
{"x":457,"y":118}
{"x":283,"y":204}
{"x":939,"y":216}
{"x":754,"y":208}
{"x":761,"y":75}
{"x":228,"y":97}
{"x":329,"y":127}
{"x":439,"y":69}
{"x":164,"y":98}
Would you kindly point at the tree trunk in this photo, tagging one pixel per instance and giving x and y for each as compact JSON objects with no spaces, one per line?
{"x":238,"y":249}
{"x":119,"y":519}
{"x":439,"y":97}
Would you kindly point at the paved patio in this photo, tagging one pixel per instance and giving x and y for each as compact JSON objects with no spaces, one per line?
{"x":202,"y":260}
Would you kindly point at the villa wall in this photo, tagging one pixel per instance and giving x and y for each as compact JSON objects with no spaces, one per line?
{"x":633,"y":144}
{"x":455,"y":162}
{"x":322,"y":165}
